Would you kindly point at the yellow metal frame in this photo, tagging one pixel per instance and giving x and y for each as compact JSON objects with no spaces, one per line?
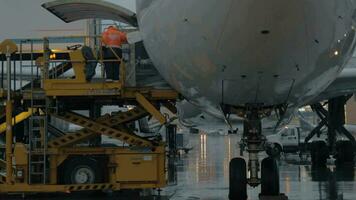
{"x":150,"y":108}
{"x":118,"y":133}
{"x":79,"y":86}
{"x":127,"y":169}
{"x":17,"y":119}
{"x":142,"y":165}
{"x":26,"y":188}
{"x":2,"y":93}
{"x":107,"y":120}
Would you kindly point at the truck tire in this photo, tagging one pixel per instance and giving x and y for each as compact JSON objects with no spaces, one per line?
{"x":319,"y":153}
{"x":274,"y":150}
{"x":345,"y":154}
{"x":82,"y":170}
{"x":320,"y":173}
{"x":345,"y":172}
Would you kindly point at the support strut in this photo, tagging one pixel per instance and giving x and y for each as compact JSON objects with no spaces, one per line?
{"x":8,"y":47}
{"x":333,"y":119}
{"x":254,"y":140}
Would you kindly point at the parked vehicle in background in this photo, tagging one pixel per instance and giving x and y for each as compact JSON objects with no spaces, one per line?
{"x":287,"y":140}
{"x":291,"y":139}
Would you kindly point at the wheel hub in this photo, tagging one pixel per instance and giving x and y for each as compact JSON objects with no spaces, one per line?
{"x":84,"y":175}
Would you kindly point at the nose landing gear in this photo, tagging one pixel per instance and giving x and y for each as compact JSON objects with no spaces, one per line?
{"x":255,"y":141}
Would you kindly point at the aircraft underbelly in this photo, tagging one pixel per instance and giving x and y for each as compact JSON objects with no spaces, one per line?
{"x":243,"y":52}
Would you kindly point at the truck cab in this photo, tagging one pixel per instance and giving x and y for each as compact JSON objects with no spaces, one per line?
{"x":286,"y":140}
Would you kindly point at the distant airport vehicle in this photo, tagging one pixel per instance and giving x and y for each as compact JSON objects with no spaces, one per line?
{"x":291,"y":139}
{"x":248,"y":58}
{"x":285,"y":140}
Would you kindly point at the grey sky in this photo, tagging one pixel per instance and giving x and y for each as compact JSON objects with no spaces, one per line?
{"x":130,"y":4}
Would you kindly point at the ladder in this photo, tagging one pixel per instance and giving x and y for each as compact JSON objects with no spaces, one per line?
{"x":37,"y":148}
{"x":37,"y":122}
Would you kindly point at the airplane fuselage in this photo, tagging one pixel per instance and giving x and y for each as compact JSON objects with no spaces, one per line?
{"x":248,"y":52}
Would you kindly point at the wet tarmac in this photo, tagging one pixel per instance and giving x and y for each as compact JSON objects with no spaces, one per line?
{"x":203,"y":174}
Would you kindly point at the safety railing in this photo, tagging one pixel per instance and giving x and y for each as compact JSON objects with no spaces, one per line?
{"x":48,"y":58}
{"x":97,"y":55}
{"x":3,"y":73}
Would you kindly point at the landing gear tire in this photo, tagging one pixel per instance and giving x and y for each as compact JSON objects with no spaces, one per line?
{"x":238,"y":179}
{"x":319,"y":153}
{"x":269,"y":177}
{"x":274,"y":150}
{"x":82,"y":170}
{"x":345,"y":154}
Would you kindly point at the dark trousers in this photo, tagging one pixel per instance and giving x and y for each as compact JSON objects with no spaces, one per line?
{"x":112,"y":69}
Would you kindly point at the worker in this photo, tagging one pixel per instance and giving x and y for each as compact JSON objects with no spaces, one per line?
{"x":112,"y":40}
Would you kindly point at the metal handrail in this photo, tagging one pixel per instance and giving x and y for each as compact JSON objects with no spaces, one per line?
{"x":30,"y":48}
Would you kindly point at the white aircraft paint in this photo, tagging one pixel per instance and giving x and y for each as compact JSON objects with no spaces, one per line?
{"x":248,"y":52}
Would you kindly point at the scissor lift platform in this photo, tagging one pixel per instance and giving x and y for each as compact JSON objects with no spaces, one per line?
{"x":43,"y":164}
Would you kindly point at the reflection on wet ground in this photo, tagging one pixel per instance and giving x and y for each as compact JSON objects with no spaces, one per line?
{"x":203,"y":174}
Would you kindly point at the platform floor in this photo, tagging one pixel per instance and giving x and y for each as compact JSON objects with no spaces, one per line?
{"x":203,"y":175}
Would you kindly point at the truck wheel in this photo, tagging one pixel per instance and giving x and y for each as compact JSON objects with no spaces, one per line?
{"x":319,"y":153}
{"x":269,"y":177}
{"x":82,"y":170}
{"x":345,"y":154}
{"x":238,"y":179}
{"x":274,"y":150}
{"x":345,"y":172}
{"x":320,"y":173}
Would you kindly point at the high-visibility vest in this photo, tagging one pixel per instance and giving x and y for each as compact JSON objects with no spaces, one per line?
{"x":113,"y":37}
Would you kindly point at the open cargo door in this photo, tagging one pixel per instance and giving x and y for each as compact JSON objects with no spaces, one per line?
{"x":74,"y":10}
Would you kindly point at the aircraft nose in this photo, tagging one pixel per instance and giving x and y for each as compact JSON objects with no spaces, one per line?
{"x":258,"y":34}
